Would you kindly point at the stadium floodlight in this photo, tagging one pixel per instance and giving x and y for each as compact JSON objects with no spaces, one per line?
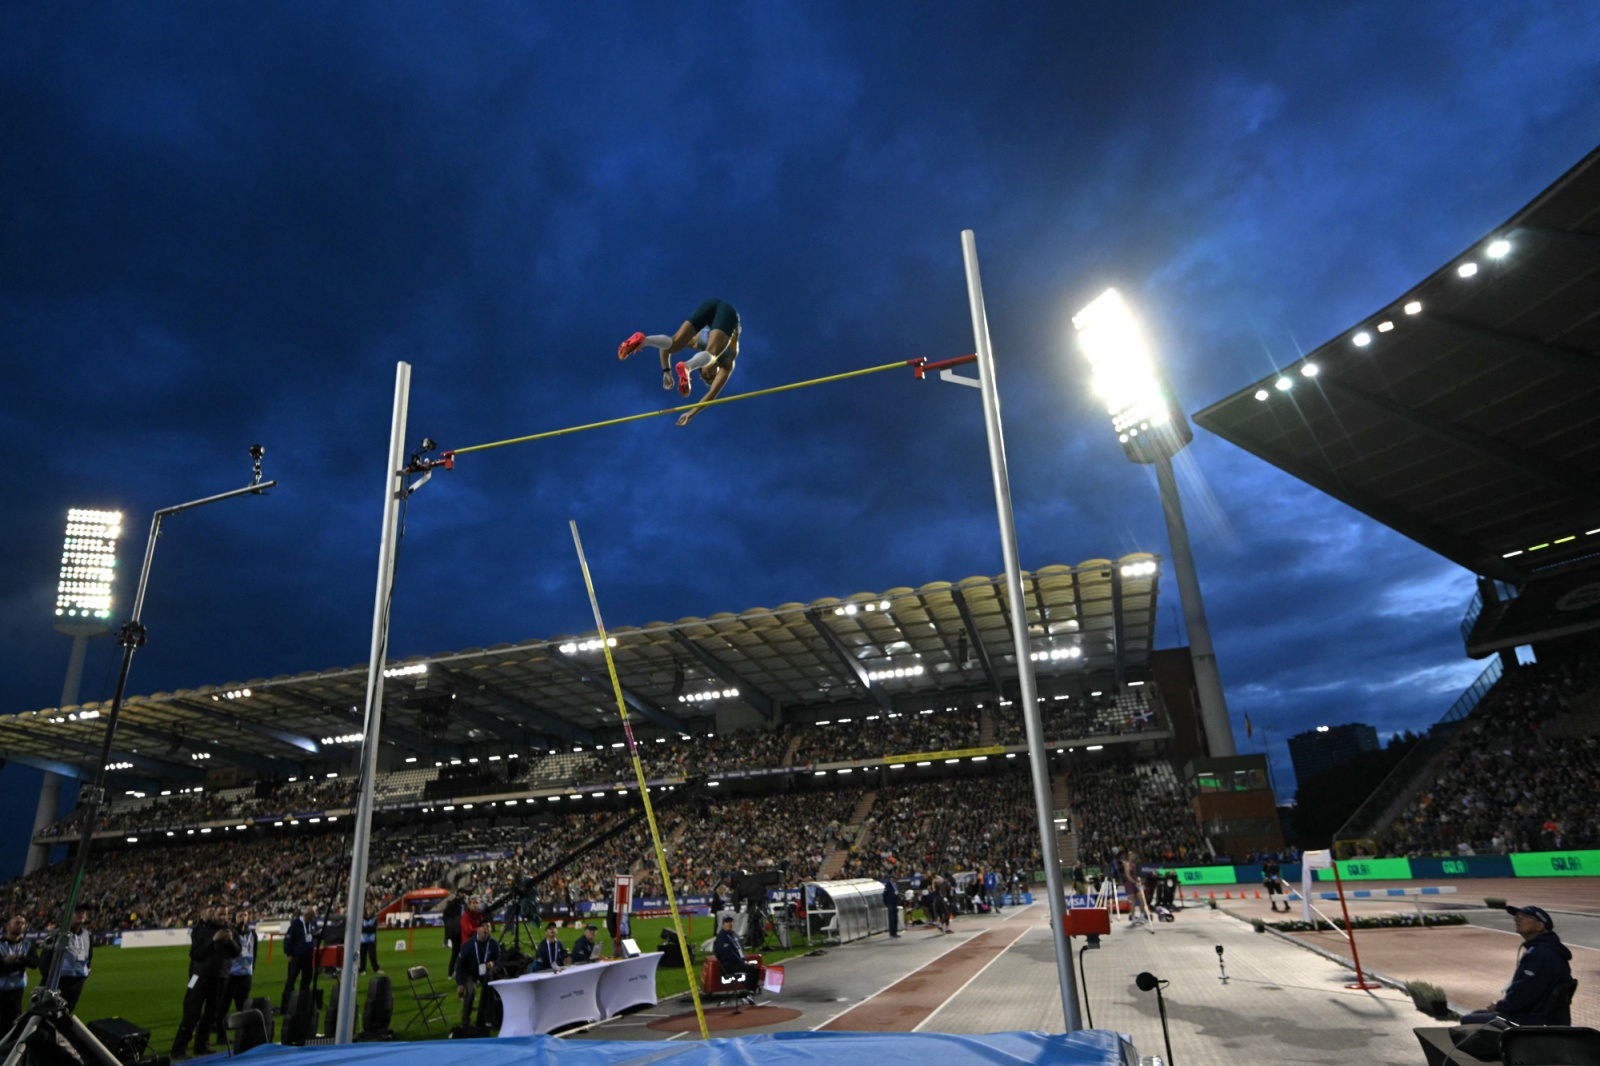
{"x":1147,"y":421}
{"x":88,"y":566}
{"x":1412,"y":308}
{"x":1498,"y":248}
{"x":83,"y":612}
{"x":1468,"y":269}
{"x":1152,"y":429}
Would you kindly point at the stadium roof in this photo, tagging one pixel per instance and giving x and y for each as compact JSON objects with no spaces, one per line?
{"x":901,"y":644}
{"x":1465,"y":412}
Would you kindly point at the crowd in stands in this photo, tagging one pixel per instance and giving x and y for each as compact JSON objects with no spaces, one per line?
{"x":869,"y":736}
{"x":1509,"y":782}
{"x":1139,"y":806}
{"x":942,"y":827}
{"x":1073,"y":718}
{"x":876,"y":735}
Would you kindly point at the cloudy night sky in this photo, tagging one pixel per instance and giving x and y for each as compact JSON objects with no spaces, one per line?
{"x":223,"y":224}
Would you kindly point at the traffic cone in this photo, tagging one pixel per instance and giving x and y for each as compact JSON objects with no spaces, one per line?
{"x":1227,"y":894}
{"x":1194,"y":893}
{"x":1211,"y":893}
{"x":1258,"y":893}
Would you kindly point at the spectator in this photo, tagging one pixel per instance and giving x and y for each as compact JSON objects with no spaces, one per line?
{"x":1543,"y":966}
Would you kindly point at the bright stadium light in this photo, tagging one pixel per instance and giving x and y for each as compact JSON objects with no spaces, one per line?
{"x":1412,"y":308}
{"x":1499,"y":248}
{"x":88,"y":566}
{"x":1152,"y":428}
{"x":1143,"y":414}
{"x":1466,"y":270}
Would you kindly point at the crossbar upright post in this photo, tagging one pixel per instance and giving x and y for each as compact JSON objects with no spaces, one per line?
{"x":1032,"y":723}
{"x":394,"y":488}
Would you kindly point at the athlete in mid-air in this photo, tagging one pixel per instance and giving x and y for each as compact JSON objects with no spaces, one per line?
{"x":718,"y":350}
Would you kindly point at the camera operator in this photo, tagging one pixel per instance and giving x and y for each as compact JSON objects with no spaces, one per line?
{"x":475,"y":967}
{"x":75,"y":963}
{"x":16,"y":957}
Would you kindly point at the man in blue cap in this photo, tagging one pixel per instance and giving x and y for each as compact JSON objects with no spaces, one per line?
{"x":1543,"y":966}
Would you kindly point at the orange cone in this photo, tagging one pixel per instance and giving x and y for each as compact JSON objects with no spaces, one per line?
{"x":1211,"y":893}
{"x":1195,"y":894}
{"x":1258,"y":893}
{"x":1227,"y":895}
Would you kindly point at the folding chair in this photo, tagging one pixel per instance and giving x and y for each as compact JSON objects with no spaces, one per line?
{"x":430,"y":1004}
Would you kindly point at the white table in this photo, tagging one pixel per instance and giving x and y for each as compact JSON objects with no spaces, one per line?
{"x":628,"y":983}
{"x":540,"y":1002}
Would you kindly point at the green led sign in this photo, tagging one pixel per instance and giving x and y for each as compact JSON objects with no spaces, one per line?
{"x":1556,"y":864}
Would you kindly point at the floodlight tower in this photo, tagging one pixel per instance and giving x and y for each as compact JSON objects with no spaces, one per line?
{"x":1152,"y":429}
{"x":83,"y":612}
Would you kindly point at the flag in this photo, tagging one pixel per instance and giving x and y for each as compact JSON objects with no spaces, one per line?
{"x":1249,"y":731}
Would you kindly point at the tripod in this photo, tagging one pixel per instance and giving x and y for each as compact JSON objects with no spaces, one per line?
{"x":39,"y":1035}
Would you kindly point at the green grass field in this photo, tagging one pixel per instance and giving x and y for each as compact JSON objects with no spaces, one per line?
{"x":146,"y":985}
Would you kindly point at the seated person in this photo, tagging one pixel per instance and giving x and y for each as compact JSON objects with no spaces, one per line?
{"x":730,"y":955}
{"x":587,"y":946}
{"x":474,"y":968}
{"x":551,"y":954}
{"x":1543,"y":964}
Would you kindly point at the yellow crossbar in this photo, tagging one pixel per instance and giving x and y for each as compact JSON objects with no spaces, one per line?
{"x":687,"y":407}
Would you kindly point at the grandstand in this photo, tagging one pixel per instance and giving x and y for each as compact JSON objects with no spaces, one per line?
{"x":840,"y":734}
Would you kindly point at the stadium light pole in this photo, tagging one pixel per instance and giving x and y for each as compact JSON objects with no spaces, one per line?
{"x":394,"y":492}
{"x":83,"y":612}
{"x":131,"y":636}
{"x":1033,"y":725}
{"x":1152,"y":429}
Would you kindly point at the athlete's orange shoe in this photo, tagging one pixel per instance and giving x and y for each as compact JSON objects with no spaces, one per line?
{"x":683,"y":379}
{"x":631,"y":345}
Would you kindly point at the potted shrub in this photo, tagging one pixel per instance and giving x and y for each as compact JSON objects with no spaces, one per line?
{"x":1429,"y":999}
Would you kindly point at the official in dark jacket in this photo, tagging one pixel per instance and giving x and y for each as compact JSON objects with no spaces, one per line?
{"x":1543,"y":965}
{"x":891,"y":903}
{"x":17,"y":956}
{"x":475,"y":968}
{"x":452,"y":926}
{"x":300,"y":948}
{"x":730,"y":955}
{"x":550,"y":953}
{"x":212,"y":943}
{"x":587,"y":947}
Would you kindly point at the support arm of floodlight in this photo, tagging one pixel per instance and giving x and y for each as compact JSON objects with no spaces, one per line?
{"x":132,"y":637}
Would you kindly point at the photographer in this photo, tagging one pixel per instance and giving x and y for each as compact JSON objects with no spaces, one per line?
{"x":474,"y":967}
{"x":75,"y":963}
{"x":241,"y":972}
{"x":16,"y":957}
{"x":211,"y":945}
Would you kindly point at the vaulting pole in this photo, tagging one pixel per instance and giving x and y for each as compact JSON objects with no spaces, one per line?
{"x":1037,"y":762}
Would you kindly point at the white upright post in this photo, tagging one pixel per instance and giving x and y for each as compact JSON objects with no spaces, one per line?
{"x":1043,"y":807}
{"x":354,"y":910}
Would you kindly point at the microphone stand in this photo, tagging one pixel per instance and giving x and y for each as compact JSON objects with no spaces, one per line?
{"x":1146,"y":982}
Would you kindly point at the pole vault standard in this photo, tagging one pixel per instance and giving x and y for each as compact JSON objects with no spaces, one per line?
{"x":394,"y":491}
{"x":1019,"y":637}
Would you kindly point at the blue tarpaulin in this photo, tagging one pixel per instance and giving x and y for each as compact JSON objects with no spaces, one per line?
{"x":1095,"y":1047}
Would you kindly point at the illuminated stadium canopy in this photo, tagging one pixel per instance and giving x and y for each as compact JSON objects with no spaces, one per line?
{"x":1465,"y":412}
{"x":897,"y":647}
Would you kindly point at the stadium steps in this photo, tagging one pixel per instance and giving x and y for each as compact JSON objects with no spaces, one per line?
{"x":856,"y":831}
{"x":790,"y":752}
{"x":985,"y":729}
{"x":1061,"y":800}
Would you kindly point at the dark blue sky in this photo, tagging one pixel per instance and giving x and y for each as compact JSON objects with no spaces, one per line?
{"x":223,"y":224}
